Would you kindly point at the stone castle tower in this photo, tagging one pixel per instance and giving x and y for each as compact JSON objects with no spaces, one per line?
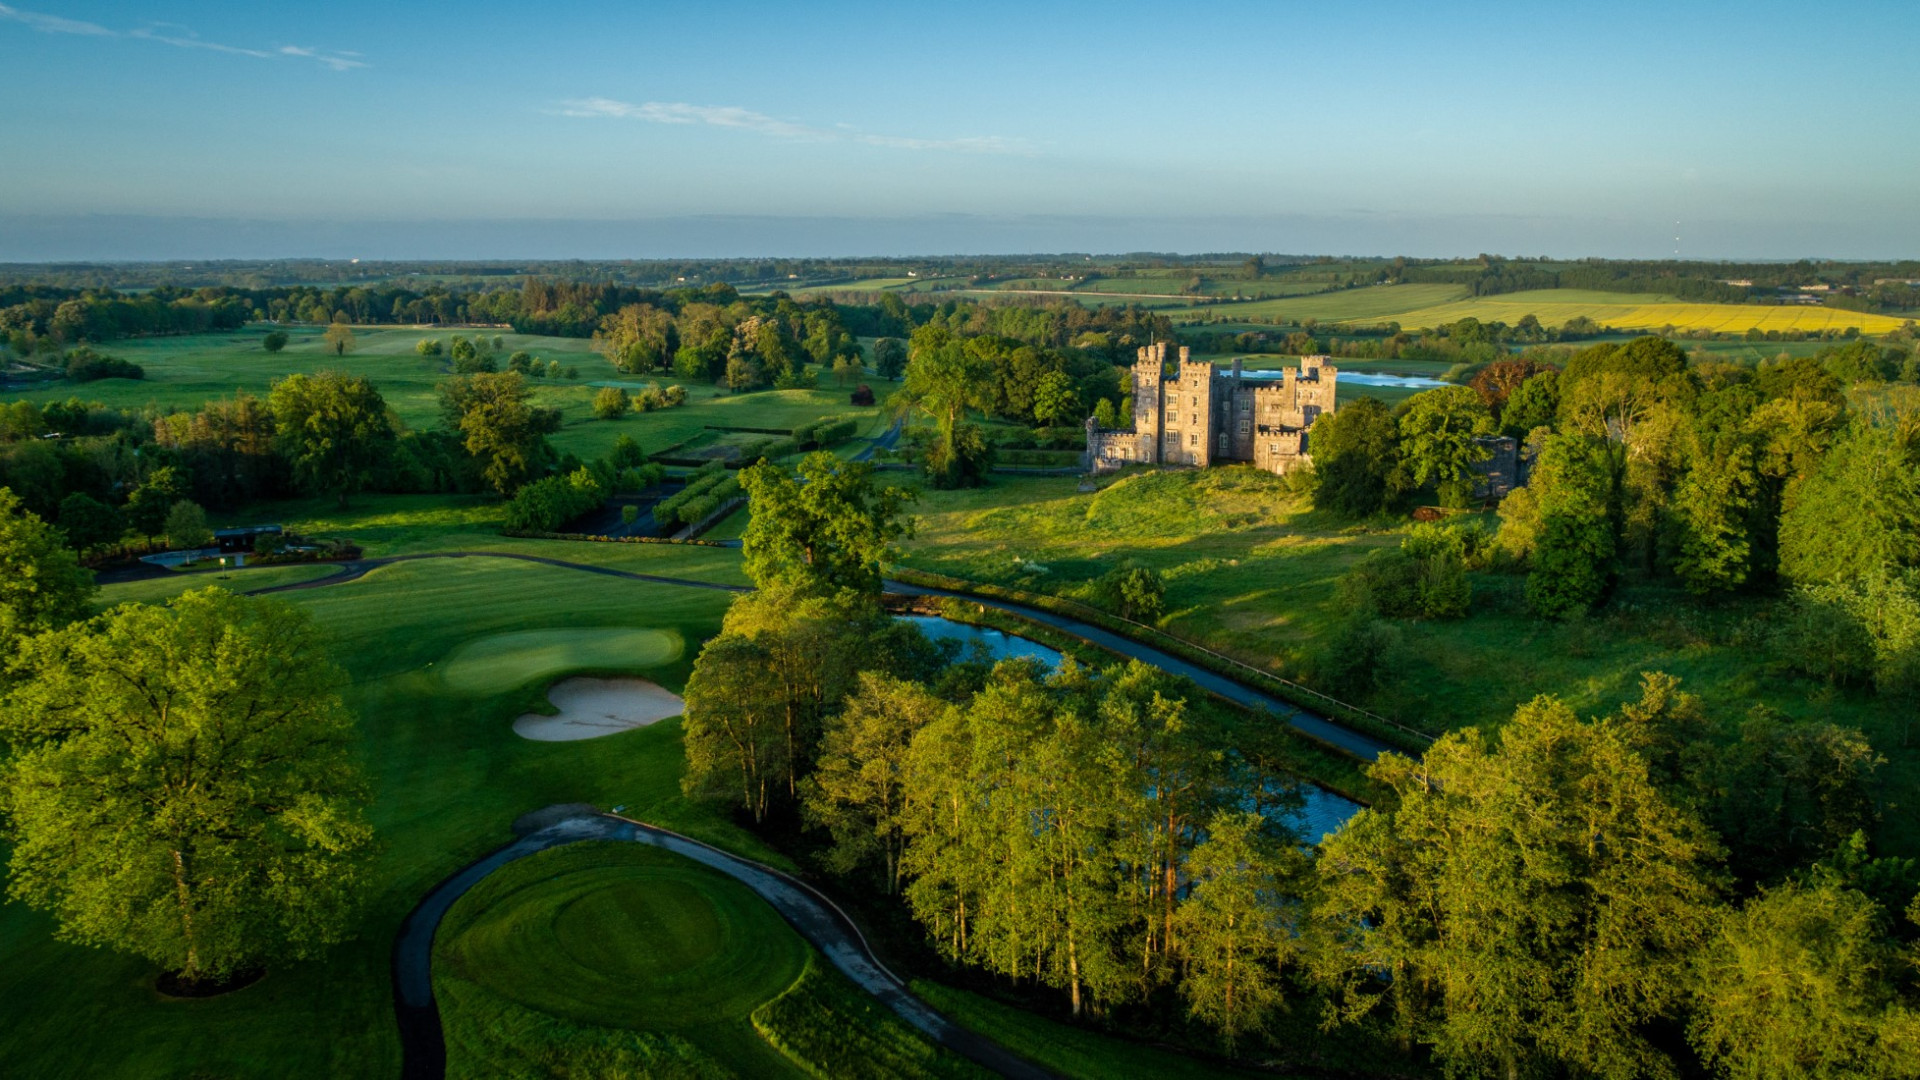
{"x":1198,"y":415}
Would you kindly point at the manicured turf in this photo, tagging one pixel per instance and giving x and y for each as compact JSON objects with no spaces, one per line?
{"x":490,"y":665}
{"x":158,"y":589}
{"x":625,"y":936}
{"x":448,"y":778}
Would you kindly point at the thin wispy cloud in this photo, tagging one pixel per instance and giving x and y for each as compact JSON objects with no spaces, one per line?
{"x":733,"y":116}
{"x":179,"y":37}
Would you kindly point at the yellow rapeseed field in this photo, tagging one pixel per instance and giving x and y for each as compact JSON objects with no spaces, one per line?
{"x":1554,"y":310}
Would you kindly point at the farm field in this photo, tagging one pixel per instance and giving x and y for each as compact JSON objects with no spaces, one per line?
{"x":448,"y":777}
{"x":1629,"y":311}
{"x":1251,"y":571}
{"x":1426,"y":306}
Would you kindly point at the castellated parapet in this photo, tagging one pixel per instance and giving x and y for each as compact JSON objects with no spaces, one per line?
{"x":1199,"y":415}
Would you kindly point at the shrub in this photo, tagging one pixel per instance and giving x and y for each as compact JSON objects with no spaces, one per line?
{"x":427,"y":346}
{"x":610,"y":403}
{"x":862,"y":395}
{"x":674,"y":396}
{"x":1358,"y":656}
{"x":546,"y":504}
{"x":1133,"y":592}
{"x":275,"y":341}
{"x":85,"y":365}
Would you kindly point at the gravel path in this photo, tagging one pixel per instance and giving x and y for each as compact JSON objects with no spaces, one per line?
{"x":818,"y":919}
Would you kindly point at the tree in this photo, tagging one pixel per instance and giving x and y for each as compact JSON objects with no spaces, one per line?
{"x":857,"y":789}
{"x":1572,"y":535}
{"x":889,"y":357}
{"x":1356,"y":459}
{"x":1525,"y":898}
{"x":339,"y":338}
{"x":274,"y":341}
{"x":1231,"y":932}
{"x":333,"y":428}
{"x":187,"y":528}
{"x":847,"y":369}
{"x":1532,"y":404}
{"x":88,"y":522}
{"x":428,"y":346}
{"x":1133,"y":592}
{"x":610,"y":403}
{"x":148,"y":506}
{"x":1711,"y":511}
{"x":831,"y":529}
{"x":183,"y":785}
{"x":1437,"y":439}
{"x":638,"y":338}
{"x":1859,"y":513}
{"x":499,"y":426}
{"x":1055,"y":399}
{"x":944,"y":380}
{"x":732,"y":731}
{"x":1797,"y":985}
{"x":42,"y":584}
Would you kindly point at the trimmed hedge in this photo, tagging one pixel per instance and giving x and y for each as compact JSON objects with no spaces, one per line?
{"x":708,"y":489}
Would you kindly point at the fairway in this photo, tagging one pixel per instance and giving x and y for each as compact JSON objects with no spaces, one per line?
{"x":491,"y":665}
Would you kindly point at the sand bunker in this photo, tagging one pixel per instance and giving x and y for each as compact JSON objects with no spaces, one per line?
{"x":590,"y":708}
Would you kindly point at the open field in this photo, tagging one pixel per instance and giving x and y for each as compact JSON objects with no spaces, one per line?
{"x":448,"y":776}
{"x":1251,"y":572}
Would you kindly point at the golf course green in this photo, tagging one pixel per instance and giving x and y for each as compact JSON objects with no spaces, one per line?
{"x":490,"y":665}
{"x":608,"y":938}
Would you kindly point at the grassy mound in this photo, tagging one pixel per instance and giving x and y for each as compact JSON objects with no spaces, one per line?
{"x":494,"y":664}
{"x":605,"y":937}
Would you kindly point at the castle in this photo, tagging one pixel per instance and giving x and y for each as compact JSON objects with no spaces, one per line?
{"x":1205,"y":416}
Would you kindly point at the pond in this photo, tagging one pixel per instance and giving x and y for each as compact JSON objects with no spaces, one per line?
{"x":1324,"y":811}
{"x":999,"y":645}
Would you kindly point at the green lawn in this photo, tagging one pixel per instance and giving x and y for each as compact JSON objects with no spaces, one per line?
{"x":449,"y":777}
{"x":1251,"y":572}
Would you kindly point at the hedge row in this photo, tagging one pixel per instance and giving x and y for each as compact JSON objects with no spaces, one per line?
{"x":706,"y":490}
{"x":1305,"y":697}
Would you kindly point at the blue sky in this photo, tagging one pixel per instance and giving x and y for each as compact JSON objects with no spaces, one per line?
{"x":644,"y":129}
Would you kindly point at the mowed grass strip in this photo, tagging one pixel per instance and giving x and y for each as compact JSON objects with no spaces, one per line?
{"x":491,"y":665}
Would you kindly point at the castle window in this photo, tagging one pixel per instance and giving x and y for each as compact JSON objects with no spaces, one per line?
{"x":1273,"y":448}
{"x":1193,"y":440}
{"x":1195,"y":399}
{"x":1196,"y":419}
{"x":1246,"y":427}
{"x":1223,"y":444}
